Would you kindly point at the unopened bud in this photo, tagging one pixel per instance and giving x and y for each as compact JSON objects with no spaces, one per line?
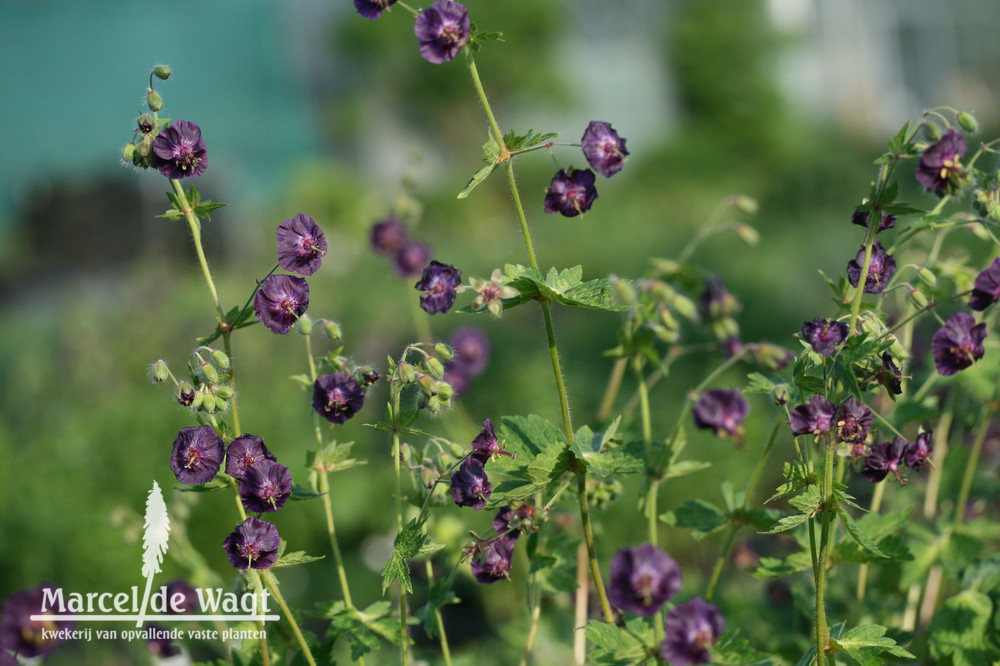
{"x":747,"y":234}
{"x":932,"y":131}
{"x":304,"y":324}
{"x":433,"y":404}
{"x":407,"y":373}
{"x":209,"y":373}
{"x":443,"y":351}
{"x":434,"y":368}
{"x":405,"y":452}
{"x":661,"y":291}
{"x":624,"y":291}
{"x":333,"y":332}
{"x":445,"y":391}
{"x":220,"y":359}
{"x":667,"y":318}
{"x":685,"y":307}
{"x":145,"y":146}
{"x":145,"y":123}
{"x":745,"y":204}
{"x":918,"y":298}
{"x":195,"y":403}
{"x":445,"y":460}
{"x":457,"y":450}
{"x":154,"y":101}
{"x":968,"y":122}
{"x":980,"y":231}
{"x":780,"y":394}
{"x":927,"y":276}
{"x":162,"y":72}
{"x":224,"y":392}
{"x":428,"y":477}
{"x":128,"y":153}
{"x":159,"y":371}
{"x":185,"y":394}
{"x":209,"y":403}
{"x":427,"y":385}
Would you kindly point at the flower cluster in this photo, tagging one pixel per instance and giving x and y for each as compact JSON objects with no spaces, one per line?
{"x":887,"y":457}
{"x":493,"y":557}
{"x":470,"y":486}
{"x":390,"y":239}
{"x":281,"y":300}
{"x":572,"y":191}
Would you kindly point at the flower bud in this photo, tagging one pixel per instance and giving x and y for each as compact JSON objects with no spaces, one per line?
{"x":443,"y":351}
{"x":427,"y":385}
{"x":457,"y":450}
{"x":128,"y":153}
{"x":445,"y":391}
{"x":780,"y":394}
{"x":407,"y":373}
{"x":745,"y":204}
{"x":159,"y":371}
{"x":196,"y":401}
{"x":445,"y":460}
{"x":304,"y":324}
{"x":185,"y":394}
{"x":154,"y":101}
{"x":968,"y":122}
{"x":428,"y":477}
{"x":162,"y":72}
{"x":624,"y":291}
{"x":927,"y":276}
{"x":224,"y":392}
{"x":433,"y":404}
{"x":434,"y":368}
{"x":685,"y":307}
{"x":747,"y":234}
{"x":333,"y":331}
{"x":145,"y":146}
{"x":208,"y":403}
{"x":980,"y":231}
{"x":932,"y":131}
{"x":209,"y":373}
{"x":660,"y":290}
{"x":145,"y":123}
{"x":220,"y":359}
{"x":918,"y":298}
{"x":366,"y":375}
{"x":405,"y":452}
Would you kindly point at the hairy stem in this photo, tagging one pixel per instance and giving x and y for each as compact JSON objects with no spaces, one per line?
{"x":272,"y":585}
{"x":442,"y":636}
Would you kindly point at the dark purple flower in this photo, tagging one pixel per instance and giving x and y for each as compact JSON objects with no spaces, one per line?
{"x":889,"y":375}
{"x":824,"y":335}
{"x":940,"y":167}
{"x":643,"y":579}
{"x":860,"y":217}
{"x":986,"y":289}
{"x":372,"y":9}
{"x":245,"y":452}
{"x":411,"y":259}
{"x":197,"y":454}
{"x":439,"y":283}
{"x":253,"y":544}
{"x":722,"y":411}
{"x":280,"y":301}
{"x":603,"y":148}
{"x":485,"y":445}
{"x":187,"y":598}
{"x":884,"y":458}
{"x":691,"y":630}
{"x":337,"y":397}
{"x":472,"y":351}
{"x":301,"y":245}
{"x":815,"y":418}
{"x":442,"y":30}
{"x":919,"y":452}
{"x":6,"y":659}
{"x":501,"y":521}
{"x":389,"y":237}
{"x":880,"y":269}
{"x":266,"y":487}
{"x":854,"y":419}
{"x":716,"y":302}
{"x":470,"y":486}
{"x":494,"y":564}
{"x":22,"y":635}
{"x":180,"y":151}
{"x":958,"y":344}
{"x":161,"y":644}
{"x":571,"y":193}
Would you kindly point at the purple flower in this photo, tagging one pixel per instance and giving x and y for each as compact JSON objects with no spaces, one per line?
{"x":494,"y":564}
{"x":442,"y":30}
{"x":22,"y":635}
{"x":389,"y":237}
{"x":301,"y":245}
{"x":439,"y":283}
{"x":372,"y":9}
{"x":180,"y":151}
{"x":603,"y":148}
{"x":816,"y":418}
{"x":940,"y":167}
{"x":197,"y":455}
{"x":6,"y":659}
{"x":410,"y":260}
{"x":986,"y":289}
{"x":266,"y":487}
{"x":722,"y":411}
{"x":860,"y":217}
{"x":889,"y":375}
{"x":470,"y":486}
{"x":337,"y":397}
{"x":571,"y":193}
{"x":280,"y":301}
{"x":716,"y":302}
{"x":643,"y":579}
{"x":188,"y":602}
{"x":485,"y":445}
{"x":824,"y":335}
{"x":501,"y":521}
{"x":854,"y":419}
{"x":161,"y":644}
{"x":884,"y":458}
{"x":880,"y":269}
{"x":245,"y":452}
{"x":253,"y":545}
{"x":919,"y":452}
{"x":958,"y":344}
{"x":472,"y":353}
{"x":691,"y":631}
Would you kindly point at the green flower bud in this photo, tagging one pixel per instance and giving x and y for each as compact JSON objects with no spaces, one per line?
{"x":624,"y":291}
{"x":224,"y":392}
{"x":154,"y":101}
{"x":145,"y":146}
{"x":304,"y":324}
{"x":333,"y":332}
{"x":208,"y":403}
{"x":780,"y":394}
{"x":445,"y":460}
{"x":443,"y":351}
{"x":445,"y":391}
{"x":457,"y":450}
{"x":918,"y":298}
{"x":128,"y":153}
{"x":199,"y":397}
{"x":162,"y":72}
{"x":980,"y":231}
{"x":968,"y":122}
{"x":932,"y":131}
{"x":405,"y":452}
{"x":747,"y":234}
{"x":666,"y":266}
{"x":427,"y":385}
{"x":661,"y":291}
{"x":745,"y":204}
{"x":433,"y":404}
{"x":428,"y":477}
{"x":434,"y":368}
{"x":407,"y":373}
{"x":685,"y":307}
{"x":927,"y":276}
{"x":667,"y":318}
{"x":220,"y":359}
{"x":208,"y":373}
{"x":159,"y":372}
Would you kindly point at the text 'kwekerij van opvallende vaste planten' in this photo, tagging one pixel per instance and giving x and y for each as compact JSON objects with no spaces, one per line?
{"x":882,"y":387}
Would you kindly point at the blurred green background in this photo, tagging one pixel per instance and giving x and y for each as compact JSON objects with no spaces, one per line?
{"x":307,"y":107}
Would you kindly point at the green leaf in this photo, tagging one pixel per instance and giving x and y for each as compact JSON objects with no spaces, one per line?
{"x":855,"y":531}
{"x":788,"y":522}
{"x":333,"y":457}
{"x":614,"y":645}
{"x":212,"y":486}
{"x":731,"y":649}
{"x":962,"y":630}
{"x":477,"y":180}
{"x":555,"y":563}
{"x":298,"y":557}
{"x":799,"y":478}
{"x":604,"y":455}
{"x":703,"y":517}
{"x":564,"y":287}
{"x":303,"y":493}
{"x":531,"y":139}
{"x":758,"y":383}
{"x":364,"y":629}
{"x":879,"y":528}
{"x":773,"y":567}
{"x":865,"y":644}
{"x":408,"y":544}
{"x":438,"y":596}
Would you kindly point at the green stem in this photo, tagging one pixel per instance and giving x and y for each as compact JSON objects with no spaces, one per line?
{"x":272,"y":585}
{"x":536,"y":613}
{"x":863,"y":570}
{"x":822,"y":626}
{"x":611,"y":392}
{"x":442,"y":637}
{"x":478,"y":83}
{"x":404,"y":648}
{"x":736,"y":521}
{"x":986,"y":416}
{"x":331,"y":530}
{"x":588,"y":538}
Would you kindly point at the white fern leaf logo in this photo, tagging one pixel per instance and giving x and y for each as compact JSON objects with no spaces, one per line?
{"x":154,"y":542}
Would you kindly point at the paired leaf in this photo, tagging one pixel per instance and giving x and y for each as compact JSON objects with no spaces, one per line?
{"x":867,"y":643}
{"x":408,"y":544}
